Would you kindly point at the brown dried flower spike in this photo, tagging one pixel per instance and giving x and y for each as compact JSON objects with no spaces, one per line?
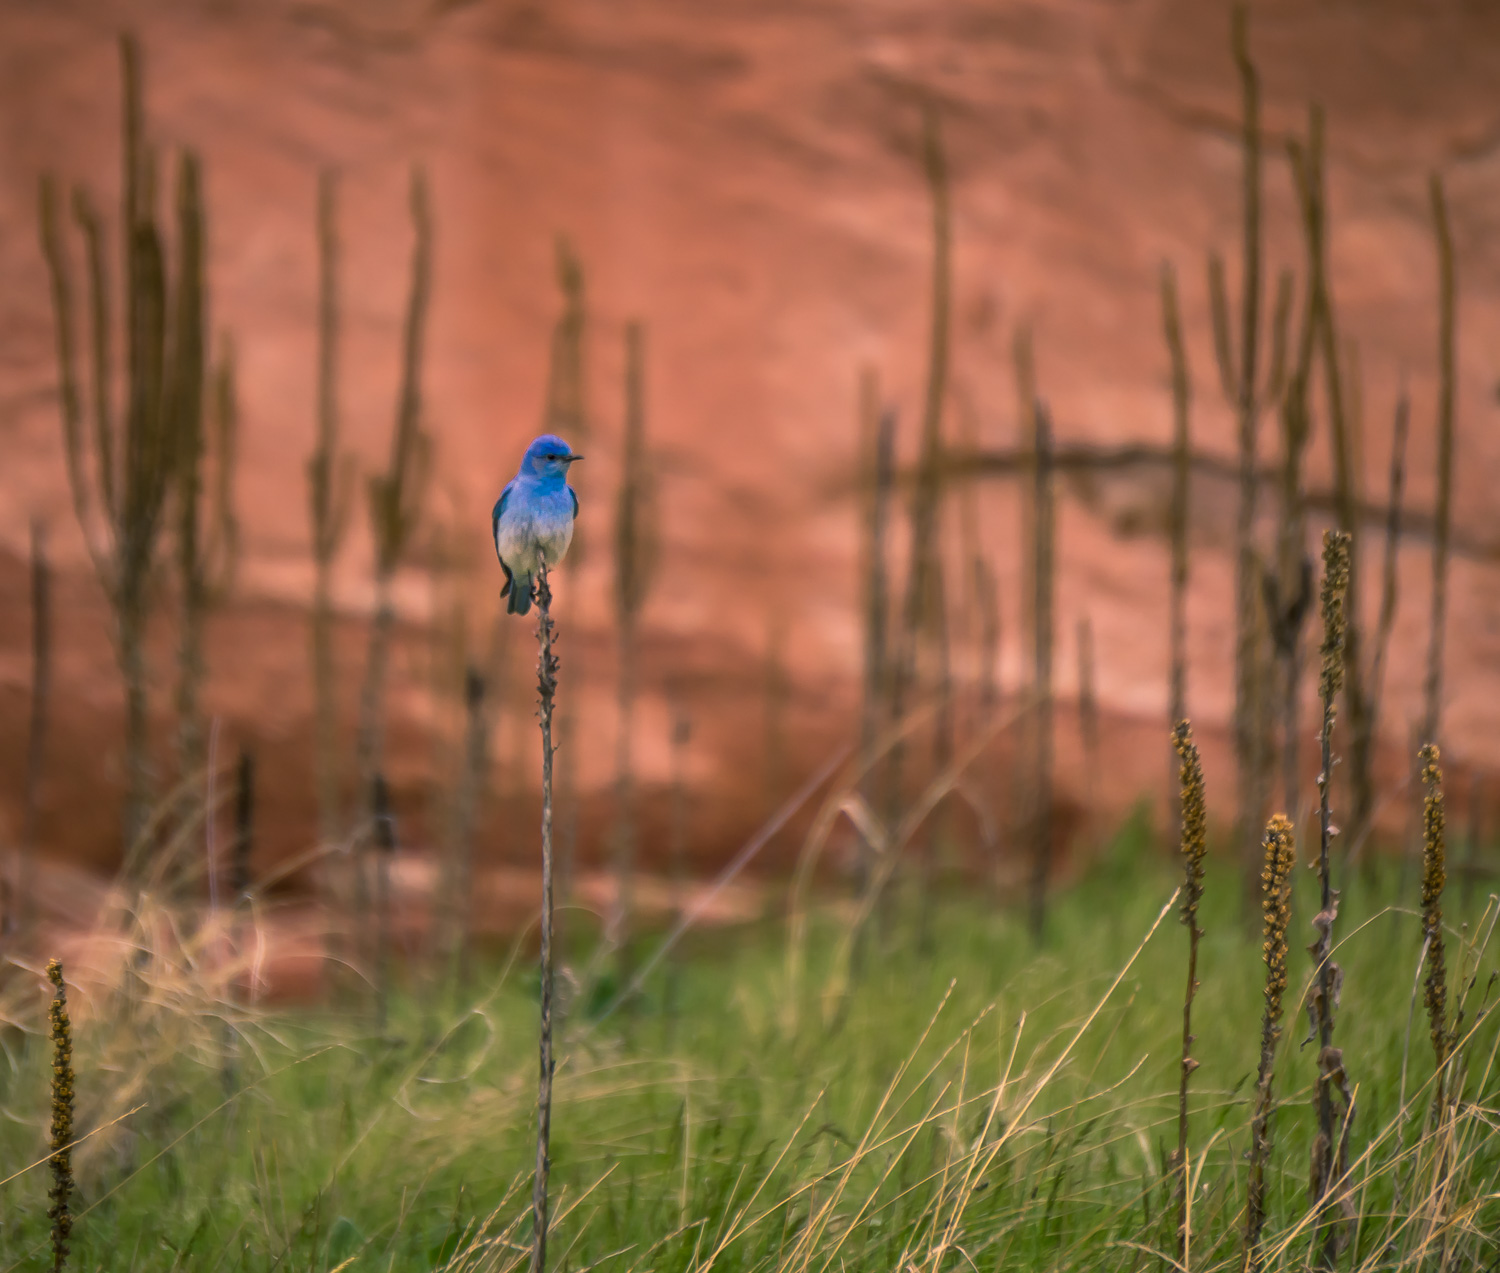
{"x":62,"y":1117}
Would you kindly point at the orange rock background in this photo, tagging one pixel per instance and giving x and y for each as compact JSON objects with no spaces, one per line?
{"x":744,"y":178}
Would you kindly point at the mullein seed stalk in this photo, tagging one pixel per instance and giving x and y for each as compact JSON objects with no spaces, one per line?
{"x":61,"y":1161}
{"x":547,"y":666}
{"x":1194,"y":847}
{"x":1330,"y":1147}
{"x":1276,"y":910}
{"x":1434,"y":877}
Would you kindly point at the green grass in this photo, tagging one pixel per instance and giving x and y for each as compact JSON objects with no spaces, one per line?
{"x":978,"y":1105}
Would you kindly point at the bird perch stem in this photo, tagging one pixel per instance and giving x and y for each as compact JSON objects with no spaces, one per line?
{"x":546,"y":692}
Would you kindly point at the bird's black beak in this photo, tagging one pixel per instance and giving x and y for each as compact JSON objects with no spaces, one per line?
{"x":571,"y":458}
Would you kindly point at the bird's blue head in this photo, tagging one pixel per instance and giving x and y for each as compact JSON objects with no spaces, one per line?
{"x":548,"y":457}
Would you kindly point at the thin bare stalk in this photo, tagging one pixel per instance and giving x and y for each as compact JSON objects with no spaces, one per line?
{"x":1276,"y":909}
{"x":1043,"y":571}
{"x":121,"y":512}
{"x":917,"y":609}
{"x":395,"y":502}
{"x":547,"y":666}
{"x":384,"y":827}
{"x":567,"y":415}
{"x":1194,"y":847}
{"x":19,"y":922}
{"x":635,"y":559}
{"x":330,"y":485}
{"x":1330,"y":1148}
{"x":878,"y":457}
{"x":1240,"y":383}
{"x":1182,"y":390}
{"x":1447,"y":389}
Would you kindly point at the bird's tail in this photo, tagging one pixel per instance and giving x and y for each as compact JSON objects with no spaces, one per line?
{"x":520,"y":595}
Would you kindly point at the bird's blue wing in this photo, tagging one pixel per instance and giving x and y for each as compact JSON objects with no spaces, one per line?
{"x":574,"y":494}
{"x":496,"y":515}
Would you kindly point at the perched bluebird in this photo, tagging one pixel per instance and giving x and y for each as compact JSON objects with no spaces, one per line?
{"x":533,"y":518}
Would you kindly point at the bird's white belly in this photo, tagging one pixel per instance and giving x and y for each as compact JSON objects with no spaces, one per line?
{"x":522,"y":538}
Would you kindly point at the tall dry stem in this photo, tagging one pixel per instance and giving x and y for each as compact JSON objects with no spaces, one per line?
{"x":1182,"y":390}
{"x":18,"y":921}
{"x":120,"y":468}
{"x":1194,"y":848}
{"x":922,"y":584}
{"x":566,"y":414}
{"x":1447,"y":389}
{"x":1276,"y":911}
{"x":1434,"y":877}
{"x":635,"y":546}
{"x":878,"y":462}
{"x":1043,"y":540}
{"x":395,"y":502}
{"x":1330,"y":1149}
{"x":330,"y":487}
{"x":547,"y":666}
{"x":61,"y":1160}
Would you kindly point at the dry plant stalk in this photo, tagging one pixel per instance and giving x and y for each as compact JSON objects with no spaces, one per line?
{"x":1393,"y":514}
{"x":1194,"y":819}
{"x":61,"y":1161}
{"x":922,"y":586}
{"x":878,"y":462}
{"x":18,"y":922}
{"x":207,"y":540}
{"x":1330,"y":1149}
{"x":1447,"y":389}
{"x":1308,"y":173}
{"x":546,"y":695}
{"x":1276,"y":910}
{"x":1182,"y":390}
{"x":1239,"y":379}
{"x":983,"y":597}
{"x":395,"y":501}
{"x":1434,"y":877}
{"x":635,"y":563}
{"x":566,"y":414}
{"x":1043,"y":539}
{"x":384,"y":826}
{"x":1289,"y":591}
{"x":330,"y":486}
{"x":120,"y":497}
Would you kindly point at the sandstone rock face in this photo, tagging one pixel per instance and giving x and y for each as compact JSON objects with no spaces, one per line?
{"x":745,"y":179}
